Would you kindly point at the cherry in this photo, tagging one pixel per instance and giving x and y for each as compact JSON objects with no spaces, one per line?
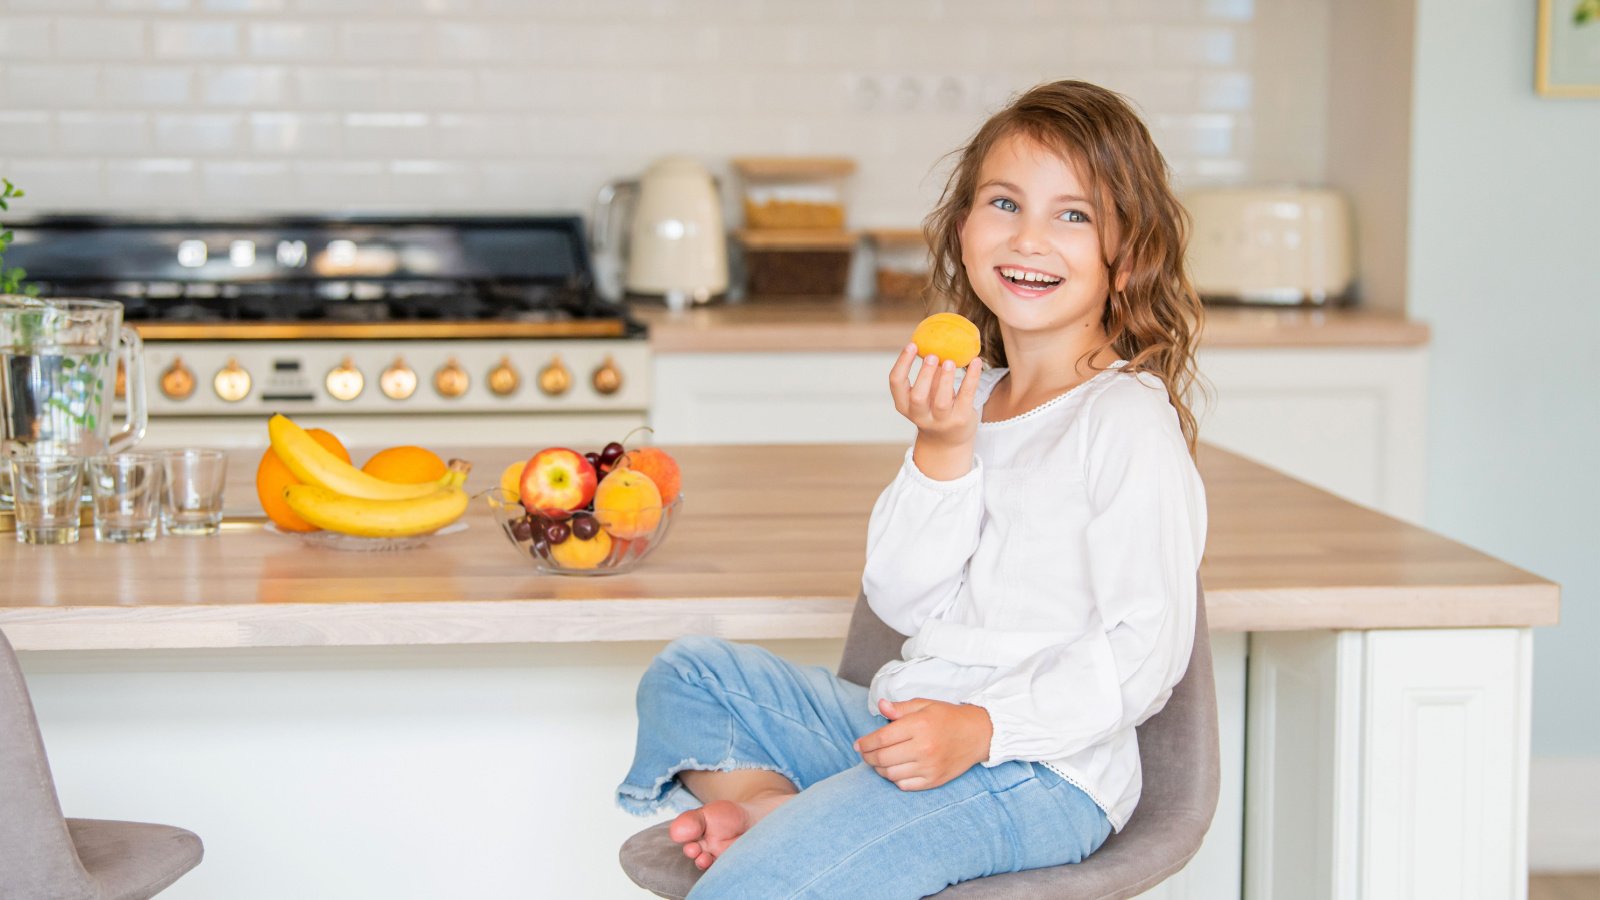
{"x":612,"y":452}
{"x":556,"y":532}
{"x":522,"y":529}
{"x":585,"y":527}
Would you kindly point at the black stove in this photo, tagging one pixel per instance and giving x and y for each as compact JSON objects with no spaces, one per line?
{"x":310,"y":269}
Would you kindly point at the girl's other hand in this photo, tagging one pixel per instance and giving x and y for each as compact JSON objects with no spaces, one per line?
{"x":927,"y":742}
{"x":945,"y":417}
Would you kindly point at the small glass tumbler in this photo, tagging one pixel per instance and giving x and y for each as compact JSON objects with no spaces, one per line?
{"x":48,"y":494}
{"x":192,"y":498}
{"x":127,"y":497}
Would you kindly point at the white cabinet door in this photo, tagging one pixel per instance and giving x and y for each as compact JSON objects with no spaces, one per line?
{"x":1350,"y":421}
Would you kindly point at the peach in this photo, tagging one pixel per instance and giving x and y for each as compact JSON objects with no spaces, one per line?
{"x":655,"y":464}
{"x":949,"y":336}
{"x":577,"y":553}
{"x":627,"y":504}
{"x":511,"y":480}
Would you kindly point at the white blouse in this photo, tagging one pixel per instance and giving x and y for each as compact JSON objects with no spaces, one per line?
{"x":1053,"y":584}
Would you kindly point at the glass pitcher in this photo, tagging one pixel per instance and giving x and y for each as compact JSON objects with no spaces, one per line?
{"x":58,"y":373}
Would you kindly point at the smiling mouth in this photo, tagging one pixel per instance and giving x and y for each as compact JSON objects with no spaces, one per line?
{"x":1028,"y":279}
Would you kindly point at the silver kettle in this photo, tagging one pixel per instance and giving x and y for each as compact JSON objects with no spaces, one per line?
{"x":675,"y":245}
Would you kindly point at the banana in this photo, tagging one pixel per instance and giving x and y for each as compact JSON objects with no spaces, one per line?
{"x":326,"y":508}
{"x":313,"y":464}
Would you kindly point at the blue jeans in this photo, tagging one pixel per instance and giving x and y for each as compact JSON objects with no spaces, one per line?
{"x":708,"y":704}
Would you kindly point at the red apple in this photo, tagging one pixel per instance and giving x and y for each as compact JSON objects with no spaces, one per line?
{"x":557,"y":480}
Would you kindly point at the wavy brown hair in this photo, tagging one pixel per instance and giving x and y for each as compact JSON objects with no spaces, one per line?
{"x":1154,"y":321}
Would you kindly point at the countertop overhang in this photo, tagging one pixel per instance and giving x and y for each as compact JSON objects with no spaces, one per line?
{"x":769,"y":546}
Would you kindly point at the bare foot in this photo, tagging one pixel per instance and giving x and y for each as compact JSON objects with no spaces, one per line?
{"x":706,"y":833}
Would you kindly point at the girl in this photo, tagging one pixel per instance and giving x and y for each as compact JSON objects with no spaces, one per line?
{"x":1039,"y":545}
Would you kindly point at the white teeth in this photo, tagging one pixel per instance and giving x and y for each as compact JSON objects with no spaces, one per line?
{"x":1036,"y":277}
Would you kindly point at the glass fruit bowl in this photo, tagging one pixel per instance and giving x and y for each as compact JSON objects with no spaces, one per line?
{"x":603,"y":553}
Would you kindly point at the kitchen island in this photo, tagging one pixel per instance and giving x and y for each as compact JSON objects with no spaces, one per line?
{"x":448,"y":722}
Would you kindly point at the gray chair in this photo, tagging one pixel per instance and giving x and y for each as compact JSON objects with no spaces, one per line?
{"x":44,"y":856}
{"x":1182,"y":769}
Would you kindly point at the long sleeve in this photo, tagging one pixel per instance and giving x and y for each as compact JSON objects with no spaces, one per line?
{"x":1144,"y":539}
{"x":920,"y":536}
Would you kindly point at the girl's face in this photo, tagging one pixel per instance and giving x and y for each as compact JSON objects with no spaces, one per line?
{"x":1031,"y":243}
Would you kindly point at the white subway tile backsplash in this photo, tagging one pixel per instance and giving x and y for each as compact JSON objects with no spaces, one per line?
{"x":25,"y":37}
{"x":296,"y":134}
{"x":59,"y":184}
{"x":153,"y":185}
{"x":244,"y":6}
{"x":249,"y":86}
{"x":168,"y":6}
{"x":1198,"y":45}
{"x":52,"y":85}
{"x":483,"y":43}
{"x":103,"y":133}
{"x":432,"y":88}
{"x":292,"y":40}
{"x":99,"y":39}
{"x":249,"y":186}
{"x":433,"y":186}
{"x":389,"y":135}
{"x":1224,"y":91}
{"x":179,"y":134}
{"x":334,"y":186}
{"x":532,"y":104}
{"x":404,"y":42}
{"x":179,"y":39}
{"x":26,"y":133}
{"x":146,"y":86}
{"x":474,"y":135}
{"x":338,"y":88}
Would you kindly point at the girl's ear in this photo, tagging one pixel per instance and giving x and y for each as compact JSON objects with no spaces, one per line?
{"x":1122,"y":280}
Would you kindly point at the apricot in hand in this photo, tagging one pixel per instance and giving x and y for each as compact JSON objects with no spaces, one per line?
{"x":949,"y":336}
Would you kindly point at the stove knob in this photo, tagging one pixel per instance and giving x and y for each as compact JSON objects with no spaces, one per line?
{"x":503,"y":379}
{"x":178,"y":381}
{"x":344,"y":381}
{"x":608,"y":378}
{"x":232,"y":382}
{"x":554,"y":379}
{"x":451,"y":380}
{"x":122,"y":380}
{"x":399,"y":381}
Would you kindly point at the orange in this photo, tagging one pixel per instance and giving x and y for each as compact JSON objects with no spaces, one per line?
{"x":627,"y":504}
{"x":657,"y":465}
{"x":272,"y":476}
{"x":949,"y":336}
{"x":406,"y":465}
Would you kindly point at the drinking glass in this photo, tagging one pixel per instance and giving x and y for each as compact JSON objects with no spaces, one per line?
{"x":192,"y":503}
{"x":127,"y":497}
{"x":48,"y":492}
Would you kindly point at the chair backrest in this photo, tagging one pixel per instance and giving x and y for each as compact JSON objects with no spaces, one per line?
{"x":1177,"y":746}
{"x":40,"y":858}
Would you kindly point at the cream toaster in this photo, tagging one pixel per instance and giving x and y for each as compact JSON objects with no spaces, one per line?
{"x":1280,"y":246}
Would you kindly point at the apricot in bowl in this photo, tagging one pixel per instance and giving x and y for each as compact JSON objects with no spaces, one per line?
{"x":947,"y":335}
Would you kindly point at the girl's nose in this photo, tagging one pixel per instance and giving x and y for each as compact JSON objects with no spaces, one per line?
{"x":1029,"y":236}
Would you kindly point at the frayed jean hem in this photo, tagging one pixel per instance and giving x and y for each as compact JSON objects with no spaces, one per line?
{"x":670,"y":794}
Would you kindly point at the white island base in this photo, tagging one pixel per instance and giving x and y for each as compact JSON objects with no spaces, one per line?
{"x":1381,"y":764}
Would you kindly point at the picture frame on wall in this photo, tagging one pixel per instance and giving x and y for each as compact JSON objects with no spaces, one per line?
{"x":1568,"y":63}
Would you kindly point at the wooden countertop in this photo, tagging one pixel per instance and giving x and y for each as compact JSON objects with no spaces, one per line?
{"x":769,"y":545}
{"x":824,"y":324}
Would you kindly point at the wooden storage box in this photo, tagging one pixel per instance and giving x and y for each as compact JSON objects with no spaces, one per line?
{"x":792,"y":263}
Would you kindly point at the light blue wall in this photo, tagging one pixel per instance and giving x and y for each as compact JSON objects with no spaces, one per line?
{"x":1505,"y":266}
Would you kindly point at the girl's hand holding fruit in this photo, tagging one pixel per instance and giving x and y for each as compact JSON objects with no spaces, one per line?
{"x":946,"y":419}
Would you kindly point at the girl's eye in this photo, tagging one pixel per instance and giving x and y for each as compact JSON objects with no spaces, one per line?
{"x":1004,"y":204}
{"x":1073,"y":215}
